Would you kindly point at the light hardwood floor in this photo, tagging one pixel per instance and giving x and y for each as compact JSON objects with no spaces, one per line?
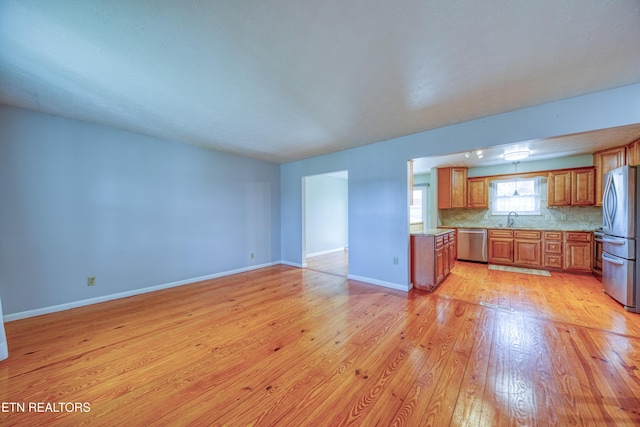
{"x":333,"y":263}
{"x":286,"y":346}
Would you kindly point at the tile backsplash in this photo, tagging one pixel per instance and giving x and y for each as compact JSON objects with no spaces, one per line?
{"x":560,"y":218}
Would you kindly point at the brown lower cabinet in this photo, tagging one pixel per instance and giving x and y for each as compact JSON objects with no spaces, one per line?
{"x":527,"y":248}
{"x":568,"y":250}
{"x":432,"y":258}
{"x":500,"y":246}
{"x":552,"y":250}
{"x":578,"y":251}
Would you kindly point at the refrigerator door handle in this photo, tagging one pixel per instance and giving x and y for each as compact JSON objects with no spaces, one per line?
{"x":605,"y":203}
{"x":614,"y":241}
{"x":612,"y":260}
{"x":610,"y":202}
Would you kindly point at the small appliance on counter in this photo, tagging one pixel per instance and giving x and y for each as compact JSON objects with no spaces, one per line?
{"x":620,"y":240}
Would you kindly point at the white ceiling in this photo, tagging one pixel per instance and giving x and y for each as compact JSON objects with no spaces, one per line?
{"x":282,"y":80}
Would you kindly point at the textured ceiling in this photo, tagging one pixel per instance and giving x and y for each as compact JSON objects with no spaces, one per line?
{"x":285,"y":80}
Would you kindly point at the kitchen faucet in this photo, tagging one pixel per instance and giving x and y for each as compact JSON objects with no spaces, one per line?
{"x":511,"y":221}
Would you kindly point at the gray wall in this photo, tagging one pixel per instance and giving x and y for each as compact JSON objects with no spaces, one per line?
{"x":326,"y":210}
{"x":83,"y":200}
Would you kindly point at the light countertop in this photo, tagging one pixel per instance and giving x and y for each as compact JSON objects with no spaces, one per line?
{"x":568,"y":228}
{"x":434,"y":232}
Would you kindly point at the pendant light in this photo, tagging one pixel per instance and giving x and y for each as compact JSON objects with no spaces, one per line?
{"x":515,"y":193}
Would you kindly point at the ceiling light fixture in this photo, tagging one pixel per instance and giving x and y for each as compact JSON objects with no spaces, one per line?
{"x":516,"y":155}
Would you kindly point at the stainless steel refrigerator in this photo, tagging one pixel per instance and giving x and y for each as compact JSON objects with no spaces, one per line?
{"x":620,"y":239}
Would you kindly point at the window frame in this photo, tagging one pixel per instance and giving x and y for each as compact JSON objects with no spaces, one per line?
{"x":423,"y":189}
{"x":536,"y":196}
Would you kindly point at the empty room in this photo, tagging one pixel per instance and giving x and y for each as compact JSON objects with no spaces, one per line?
{"x":418,"y":213}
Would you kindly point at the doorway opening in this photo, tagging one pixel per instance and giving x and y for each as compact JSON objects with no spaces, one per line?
{"x":325,"y":228}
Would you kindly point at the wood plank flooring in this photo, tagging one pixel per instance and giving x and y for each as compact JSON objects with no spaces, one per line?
{"x":285,"y":346}
{"x":333,"y":263}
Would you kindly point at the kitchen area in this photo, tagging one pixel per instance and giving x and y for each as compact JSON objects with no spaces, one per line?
{"x":525,"y":209}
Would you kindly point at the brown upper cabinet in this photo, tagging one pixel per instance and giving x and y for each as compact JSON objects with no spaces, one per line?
{"x":478,"y":193}
{"x":583,"y":187}
{"x":455,"y":190}
{"x":559,"y":188}
{"x":571,"y":187}
{"x":452,"y":188}
{"x":605,"y":161}
{"x":633,"y":153}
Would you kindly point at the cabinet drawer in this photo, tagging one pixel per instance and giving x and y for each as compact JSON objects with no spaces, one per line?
{"x":577,"y":236}
{"x":553,"y":261}
{"x":500,"y":233}
{"x":552,"y":247}
{"x":527,"y":234}
{"x":439,"y":241}
{"x":553,"y":235}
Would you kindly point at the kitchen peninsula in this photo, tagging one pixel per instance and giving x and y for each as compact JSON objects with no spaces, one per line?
{"x":433,"y":254}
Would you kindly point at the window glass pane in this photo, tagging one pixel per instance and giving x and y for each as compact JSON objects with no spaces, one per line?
{"x":526,"y":201}
{"x":415,"y":210}
{"x":505,"y":188}
{"x":417,"y":198}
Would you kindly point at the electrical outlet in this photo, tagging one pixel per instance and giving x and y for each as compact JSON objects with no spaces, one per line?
{"x":251,"y":255}
{"x":395,"y":260}
{"x":91,"y":281}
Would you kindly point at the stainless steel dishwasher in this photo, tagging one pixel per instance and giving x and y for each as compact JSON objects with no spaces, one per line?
{"x":472,"y":244}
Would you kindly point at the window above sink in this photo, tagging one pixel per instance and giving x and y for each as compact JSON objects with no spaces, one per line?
{"x":520,"y":195}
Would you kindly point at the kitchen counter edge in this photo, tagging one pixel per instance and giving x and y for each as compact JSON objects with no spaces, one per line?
{"x":523,"y":228}
{"x":434,"y":232}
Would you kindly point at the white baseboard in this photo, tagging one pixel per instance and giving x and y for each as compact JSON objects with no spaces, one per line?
{"x":405,"y":288}
{"x":104,"y":298}
{"x":330,"y":251}
{"x":294,"y":264}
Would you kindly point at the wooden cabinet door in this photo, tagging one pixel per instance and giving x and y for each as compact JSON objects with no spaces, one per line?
{"x":501,"y":251}
{"x":455,"y":245}
{"x":446,"y":255}
{"x":605,"y":161}
{"x":452,"y":188}
{"x":452,"y":254}
{"x":583,"y":187}
{"x":458,"y":187}
{"x":577,"y":256}
{"x":440,"y":265}
{"x":527,"y":252}
{"x":559,"y":188}
{"x":478,"y":193}
{"x":633,"y":153}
